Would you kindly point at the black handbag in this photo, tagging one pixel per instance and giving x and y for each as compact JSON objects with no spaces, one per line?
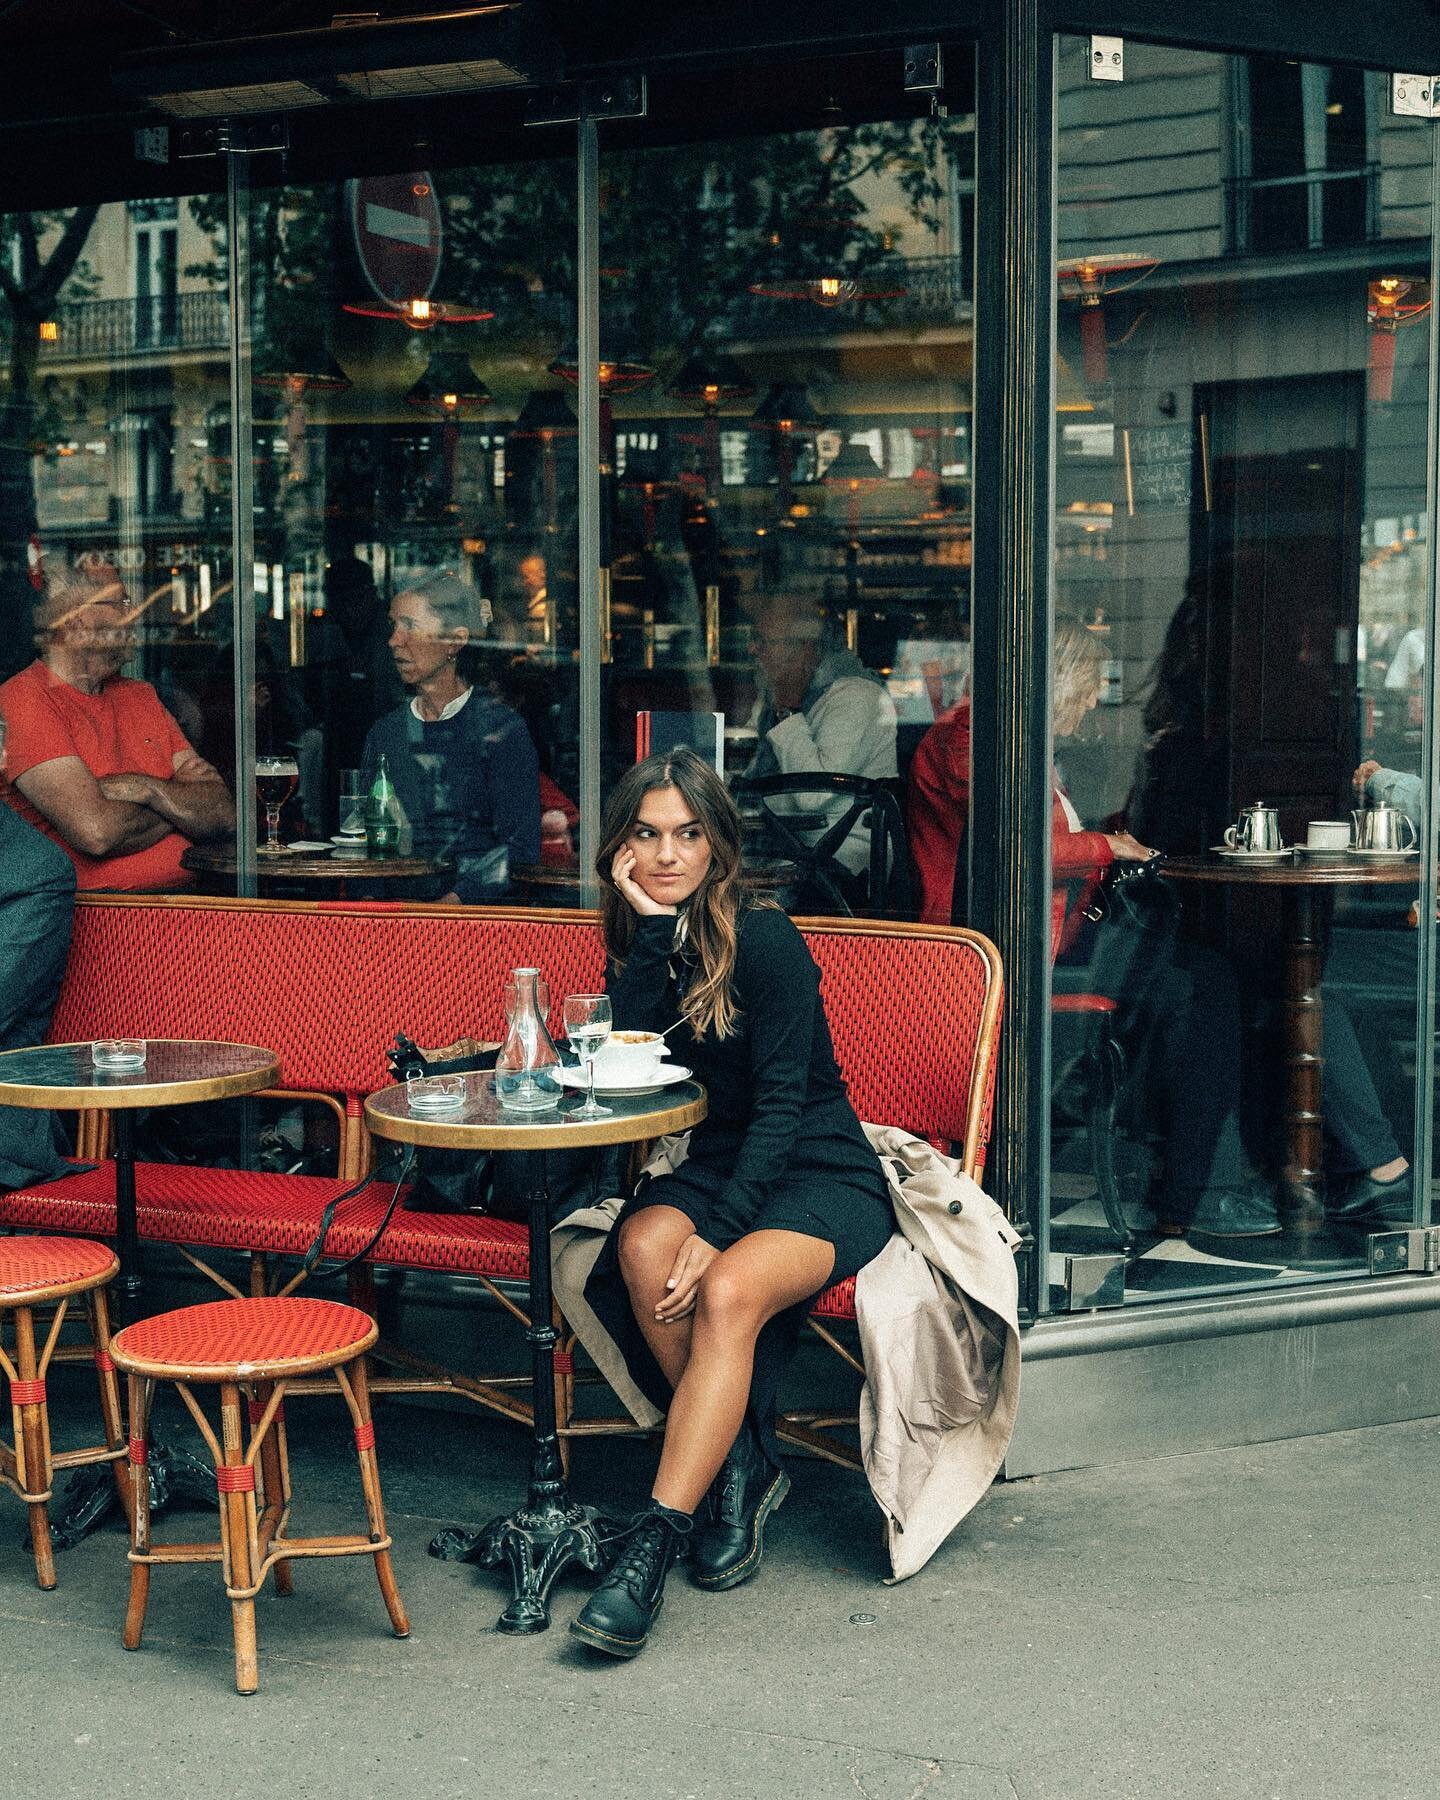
{"x":459,"y":1181}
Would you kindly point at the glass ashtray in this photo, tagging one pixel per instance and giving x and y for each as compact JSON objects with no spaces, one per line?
{"x":435,"y":1093}
{"x":118,"y":1053}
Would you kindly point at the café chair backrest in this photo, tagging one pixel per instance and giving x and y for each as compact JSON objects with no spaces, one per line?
{"x":813,"y":840}
{"x":913,"y":1009}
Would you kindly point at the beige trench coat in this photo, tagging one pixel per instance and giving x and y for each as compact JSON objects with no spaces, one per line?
{"x":939,"y":1335}
{"x":937,"y":1313}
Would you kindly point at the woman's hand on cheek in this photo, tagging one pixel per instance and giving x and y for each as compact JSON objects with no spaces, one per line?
{"x":694,"y":1258}
{"x":622,"y":873}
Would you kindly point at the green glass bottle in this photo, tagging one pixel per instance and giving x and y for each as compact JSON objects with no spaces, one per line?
{"x":382,"y":815}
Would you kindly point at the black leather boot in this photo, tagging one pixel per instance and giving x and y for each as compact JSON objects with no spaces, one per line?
{"x":618,"y":1615}
{"x":730,"y":1543}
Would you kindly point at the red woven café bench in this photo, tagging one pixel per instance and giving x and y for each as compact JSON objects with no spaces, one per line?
{"x":914,"y":1011}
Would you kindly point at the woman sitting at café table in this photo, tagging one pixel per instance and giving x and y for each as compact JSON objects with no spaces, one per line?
{"x":462,"y":763}
{"x":779,"y":1195}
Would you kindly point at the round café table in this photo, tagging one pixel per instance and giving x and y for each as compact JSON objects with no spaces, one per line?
{"x":317,"y":870}
{"x":550,"y":1530}
{"x":1299,"y":881}
{"x":176,"y":1072}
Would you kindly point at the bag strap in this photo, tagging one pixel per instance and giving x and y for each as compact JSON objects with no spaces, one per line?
{"x":317,"y":1246}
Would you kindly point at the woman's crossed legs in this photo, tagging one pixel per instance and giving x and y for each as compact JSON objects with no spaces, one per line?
{"x":707,"y":1352}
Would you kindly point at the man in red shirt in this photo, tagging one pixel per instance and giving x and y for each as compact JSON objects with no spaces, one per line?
{"x":94,"y":760}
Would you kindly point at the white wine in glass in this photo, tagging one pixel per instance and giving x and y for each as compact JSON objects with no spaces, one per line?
{"x":587,"y":1025}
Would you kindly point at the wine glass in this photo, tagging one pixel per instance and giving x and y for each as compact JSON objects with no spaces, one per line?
{"x":587,"y":1025}
{"x":275,"y":781}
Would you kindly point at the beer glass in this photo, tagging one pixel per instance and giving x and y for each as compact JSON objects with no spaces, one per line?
{"x":275,"y":781}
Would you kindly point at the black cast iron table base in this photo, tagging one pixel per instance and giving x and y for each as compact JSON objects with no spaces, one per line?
{"x":550,"y":1531}
{"x":89,"y":1497}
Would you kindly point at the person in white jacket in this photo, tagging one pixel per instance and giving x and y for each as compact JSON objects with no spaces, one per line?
{"x":821,"y":711}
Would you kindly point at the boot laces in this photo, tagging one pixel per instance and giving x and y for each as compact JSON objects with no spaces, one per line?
{"x":637,"y":1563}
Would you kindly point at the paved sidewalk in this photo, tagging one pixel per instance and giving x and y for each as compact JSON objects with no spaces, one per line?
{"x":1260,"y":1622}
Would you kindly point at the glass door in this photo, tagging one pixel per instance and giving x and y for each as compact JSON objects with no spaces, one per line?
{"x":1242,"y":602}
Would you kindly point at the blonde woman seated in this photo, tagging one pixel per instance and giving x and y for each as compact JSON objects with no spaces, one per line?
{"x":780,"y":1194}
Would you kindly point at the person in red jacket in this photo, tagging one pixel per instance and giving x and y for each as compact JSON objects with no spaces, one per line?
{"x":939,"y":800}
{"x":1185,"y":1007}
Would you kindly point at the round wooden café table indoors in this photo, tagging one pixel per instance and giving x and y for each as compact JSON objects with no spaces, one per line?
{"x":1299,"y":881}
{"x":316,"y":870}
{"x":175,"y":1072}
{"x":550,"y":1530}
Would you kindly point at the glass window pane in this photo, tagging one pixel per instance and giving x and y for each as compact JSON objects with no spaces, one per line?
{"x":115,"y":576}
{"x":1240,"y":549}
{"x":415,"y":547}
{"x":786,"y":357}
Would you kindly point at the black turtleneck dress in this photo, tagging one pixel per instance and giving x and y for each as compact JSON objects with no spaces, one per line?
{"x":780,"y":1148}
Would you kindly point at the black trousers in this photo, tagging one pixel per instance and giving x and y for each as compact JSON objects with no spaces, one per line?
{"x":37,"y":904}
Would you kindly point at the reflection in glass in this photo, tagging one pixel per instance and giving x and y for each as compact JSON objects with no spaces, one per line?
{"x":1240,"y":533}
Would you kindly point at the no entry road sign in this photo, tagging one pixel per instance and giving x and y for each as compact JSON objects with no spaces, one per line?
{"x":396,"y":221}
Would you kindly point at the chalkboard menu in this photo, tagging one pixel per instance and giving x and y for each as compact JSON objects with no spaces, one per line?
{"x":1159,"y":466}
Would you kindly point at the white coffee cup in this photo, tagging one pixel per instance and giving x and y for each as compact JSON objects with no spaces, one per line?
{"x":630,"y":1058}
{"x":1327,"y":834}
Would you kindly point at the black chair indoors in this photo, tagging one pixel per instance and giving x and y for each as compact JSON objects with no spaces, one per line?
{"x":811,"y":840}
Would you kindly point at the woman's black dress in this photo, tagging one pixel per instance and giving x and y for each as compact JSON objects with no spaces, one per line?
{"x":780,"y":1147}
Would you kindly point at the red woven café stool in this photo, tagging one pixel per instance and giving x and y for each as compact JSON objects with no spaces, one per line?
{"x":45,"y":1271}
{"x":260,"y":1345}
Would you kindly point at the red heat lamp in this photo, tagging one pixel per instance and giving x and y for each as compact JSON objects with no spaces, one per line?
{"x":618,"y":374}
{"x":420,"y":314}
{"x":313,"y":374}
{"x":449,"y":388}
{"x":709,"y":379}
{"x":1089,"y":279}
{"x":825,"y":290}
{"x":1394,"y":301}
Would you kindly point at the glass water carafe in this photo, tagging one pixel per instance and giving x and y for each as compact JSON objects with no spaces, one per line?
{"x":527,"y":1070}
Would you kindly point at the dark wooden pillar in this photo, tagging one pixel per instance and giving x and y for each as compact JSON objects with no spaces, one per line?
{"x":1010,"y":808}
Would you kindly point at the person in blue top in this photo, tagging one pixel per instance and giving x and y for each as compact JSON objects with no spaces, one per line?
{"x":462,"y":762}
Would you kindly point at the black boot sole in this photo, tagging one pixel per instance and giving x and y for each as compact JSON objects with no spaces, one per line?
{"x":742,"y":1571}
{"x":607,"y":1642}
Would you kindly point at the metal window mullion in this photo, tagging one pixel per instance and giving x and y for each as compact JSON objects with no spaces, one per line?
{"x":1425,"y":1020}
{"x":242,"y":518}
{"x":587,"y":332}
{"x":1014,"y":422}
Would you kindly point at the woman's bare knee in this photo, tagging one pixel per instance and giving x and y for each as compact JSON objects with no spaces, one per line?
{"x":647,"y":1248}
{"x":725,"y":1301}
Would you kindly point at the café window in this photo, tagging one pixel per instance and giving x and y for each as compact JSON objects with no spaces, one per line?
{"x":1306,"y":171}
{"x":1242,"y":604}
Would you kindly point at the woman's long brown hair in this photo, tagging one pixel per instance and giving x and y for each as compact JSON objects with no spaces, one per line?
{"x":714,"y":908}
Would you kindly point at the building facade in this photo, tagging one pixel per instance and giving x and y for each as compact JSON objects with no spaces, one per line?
{"x":1066,"y":377}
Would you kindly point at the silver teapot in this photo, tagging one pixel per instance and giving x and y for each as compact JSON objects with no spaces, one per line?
{"x":1258,"y":828}
{"x":1383,"y":828}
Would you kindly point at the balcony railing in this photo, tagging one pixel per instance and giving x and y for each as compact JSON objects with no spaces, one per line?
{"x":106,"y":329}
{"x":1316,"y":209}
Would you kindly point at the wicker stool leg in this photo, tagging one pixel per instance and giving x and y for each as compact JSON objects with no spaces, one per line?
{"x":98,"y":1308}
{"x":374,"y":1505}
{"x":236,"y":1534}
{"x":32,"y":1438}
{"x":274,"y":1474}
{"x":139,"y":1511}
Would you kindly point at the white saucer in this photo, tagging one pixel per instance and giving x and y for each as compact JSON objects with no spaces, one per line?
{"x":666,"y":1076}
{"x":341,"y":842}
{"x":309,"y":845}
{"x":1255,"y":856}
{"x":1385,"y":855}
